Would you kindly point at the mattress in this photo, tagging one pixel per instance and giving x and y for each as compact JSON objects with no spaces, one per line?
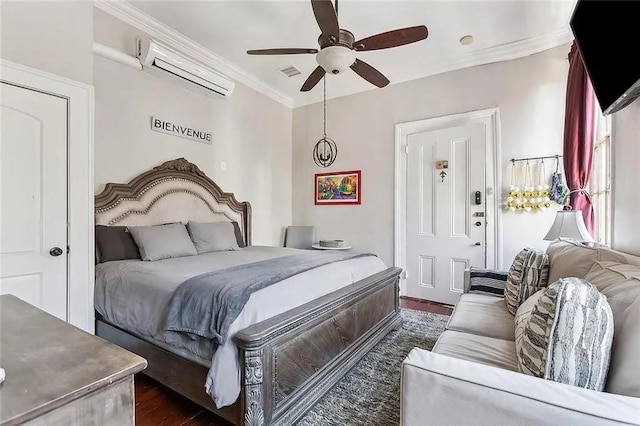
{"x":135,"y":295}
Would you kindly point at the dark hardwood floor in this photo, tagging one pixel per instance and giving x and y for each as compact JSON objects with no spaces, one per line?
{"x":425,"y":305}
{"x":158,"y":405}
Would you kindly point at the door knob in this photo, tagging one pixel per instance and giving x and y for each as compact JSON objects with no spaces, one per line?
{"x":478,"y":243}
{"x":56,"y":251}
{"x":478,"y":223}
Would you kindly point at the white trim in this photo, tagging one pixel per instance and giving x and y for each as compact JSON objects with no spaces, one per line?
{"x":513,"y":50}
{"x":613,"y":179}
{"x":163,"y":33}
{"x":80,"y":273}
{"x":493,"y":176}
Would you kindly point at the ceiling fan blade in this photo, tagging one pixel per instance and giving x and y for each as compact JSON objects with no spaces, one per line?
{"x":326,"y":17}
{"x":369,"y":73}
{"x":393,"y":38}
{"x":285,"y":51}
{"x":313,"y":79}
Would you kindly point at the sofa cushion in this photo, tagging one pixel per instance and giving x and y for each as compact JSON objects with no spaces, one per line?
{"x":567,"y":337}
{"x":621,"y":284}
{"x":471,"y":347}
{"x":482,"y":315}
{"x":573,"y":259}
{"x":570,"y":259}
{"x":528,"y":274}
{"x":624,"y":374}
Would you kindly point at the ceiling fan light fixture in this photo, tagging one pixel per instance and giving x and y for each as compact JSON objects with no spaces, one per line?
{"x":335,"y":59}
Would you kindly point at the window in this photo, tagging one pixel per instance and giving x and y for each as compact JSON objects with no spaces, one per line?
{"x":600,"y":184}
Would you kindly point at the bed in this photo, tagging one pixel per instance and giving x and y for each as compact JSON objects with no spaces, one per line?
{"x":291,"y":343}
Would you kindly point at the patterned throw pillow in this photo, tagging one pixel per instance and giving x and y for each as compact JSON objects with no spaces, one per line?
{"x":523,"y":314}
{"x":567,"y":336}
{"x":528,"y":274}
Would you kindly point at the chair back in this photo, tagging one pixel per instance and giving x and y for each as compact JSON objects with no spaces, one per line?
{"x":300,"y":237}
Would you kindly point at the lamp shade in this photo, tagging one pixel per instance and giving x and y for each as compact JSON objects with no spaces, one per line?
{"x":569,"y":224}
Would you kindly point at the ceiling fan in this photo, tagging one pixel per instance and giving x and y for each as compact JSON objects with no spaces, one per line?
{"x":338,"y":47}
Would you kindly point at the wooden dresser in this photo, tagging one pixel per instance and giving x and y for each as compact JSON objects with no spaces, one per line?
{"x":57,"y":374}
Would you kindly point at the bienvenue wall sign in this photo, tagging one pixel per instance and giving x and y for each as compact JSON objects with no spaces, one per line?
{"x":164,"y":126}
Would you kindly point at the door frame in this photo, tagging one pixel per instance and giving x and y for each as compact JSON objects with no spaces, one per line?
{"x":493,"y":176}
{"x":80,"y":235}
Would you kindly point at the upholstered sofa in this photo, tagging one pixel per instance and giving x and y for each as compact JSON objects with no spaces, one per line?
{"x":471,"y":375}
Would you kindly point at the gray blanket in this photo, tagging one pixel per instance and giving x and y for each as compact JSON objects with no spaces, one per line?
{"x":207,"y":304}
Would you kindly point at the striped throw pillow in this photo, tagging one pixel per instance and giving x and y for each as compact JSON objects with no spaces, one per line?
{"x":567,"y":336}
{"x":528,"y":274}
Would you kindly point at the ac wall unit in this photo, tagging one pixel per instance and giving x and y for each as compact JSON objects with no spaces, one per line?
{"x":156,"y":57}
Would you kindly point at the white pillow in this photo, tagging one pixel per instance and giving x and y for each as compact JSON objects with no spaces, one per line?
{"x":213,"y":236}
{"x":162,"y":241}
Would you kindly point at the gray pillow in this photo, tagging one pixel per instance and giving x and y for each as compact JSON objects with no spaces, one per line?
{"x":114,"y":243}
{"x":567,"y":334}
{"x":239,"y":237}
{"x":214,"y":236}
{"x":162,"y":241}
{"x":528,"y":274}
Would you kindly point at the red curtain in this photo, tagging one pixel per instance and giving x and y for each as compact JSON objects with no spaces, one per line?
{"x":579,"y":128}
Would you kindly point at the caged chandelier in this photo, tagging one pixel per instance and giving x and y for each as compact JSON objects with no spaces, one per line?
{"x":325,"y":151}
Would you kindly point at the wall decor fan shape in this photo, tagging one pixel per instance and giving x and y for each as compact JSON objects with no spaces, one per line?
{"x":338,"y":47}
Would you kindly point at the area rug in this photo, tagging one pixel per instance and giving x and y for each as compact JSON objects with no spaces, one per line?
{"x":370,"y":392}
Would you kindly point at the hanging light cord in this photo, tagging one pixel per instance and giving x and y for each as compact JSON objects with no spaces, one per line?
{"x":324,"y":106}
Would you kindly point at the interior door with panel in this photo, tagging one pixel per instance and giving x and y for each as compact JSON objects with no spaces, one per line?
{"x":445,"y":210}
{"x":33,"y":209}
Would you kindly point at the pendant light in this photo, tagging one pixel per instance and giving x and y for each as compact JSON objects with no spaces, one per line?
{"x":325,"y":151}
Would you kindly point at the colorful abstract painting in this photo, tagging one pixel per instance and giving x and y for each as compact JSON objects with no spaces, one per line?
{"x":338,"y":187}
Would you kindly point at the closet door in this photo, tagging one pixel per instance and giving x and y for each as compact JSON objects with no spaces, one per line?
{"x":33,"y":188}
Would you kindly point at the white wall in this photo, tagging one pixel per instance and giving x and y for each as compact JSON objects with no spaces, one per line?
{"x":529,"y":92}
{"x":626,"y":158}
{"x":51,"y":36}
{"x":251,"y":133}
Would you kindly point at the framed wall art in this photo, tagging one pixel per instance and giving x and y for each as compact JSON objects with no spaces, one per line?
{"x":338,"y":188}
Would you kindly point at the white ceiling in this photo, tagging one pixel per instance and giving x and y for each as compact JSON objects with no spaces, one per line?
{"x":501,"y":30}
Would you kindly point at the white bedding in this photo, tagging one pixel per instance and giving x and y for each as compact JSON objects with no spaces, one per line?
{"x":135,"y":296}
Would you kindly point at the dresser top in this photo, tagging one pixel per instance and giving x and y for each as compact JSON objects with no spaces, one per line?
{"x":49,"y":363}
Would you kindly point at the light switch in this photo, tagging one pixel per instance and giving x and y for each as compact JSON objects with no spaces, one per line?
{"x":223,"y":165}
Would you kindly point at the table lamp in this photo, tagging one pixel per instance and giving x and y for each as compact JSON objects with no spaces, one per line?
{"x":569,"y":224}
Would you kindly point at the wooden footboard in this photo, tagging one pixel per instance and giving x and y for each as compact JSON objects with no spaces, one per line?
{"x":290,"y":360}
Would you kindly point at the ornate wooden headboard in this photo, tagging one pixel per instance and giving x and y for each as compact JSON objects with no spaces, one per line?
{"x":176,"y":190}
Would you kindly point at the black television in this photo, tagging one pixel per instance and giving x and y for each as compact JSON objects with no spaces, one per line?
{"x":606,"y":33}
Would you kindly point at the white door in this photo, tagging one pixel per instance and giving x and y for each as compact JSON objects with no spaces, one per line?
{"x":445,"y":223}
{"x":33,"y":209}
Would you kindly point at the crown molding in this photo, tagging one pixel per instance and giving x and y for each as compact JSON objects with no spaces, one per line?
{"x":163,"y":33}
{"x":516,"y":49}
{"x":503,"y":52}
{"x":167,"y":35}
